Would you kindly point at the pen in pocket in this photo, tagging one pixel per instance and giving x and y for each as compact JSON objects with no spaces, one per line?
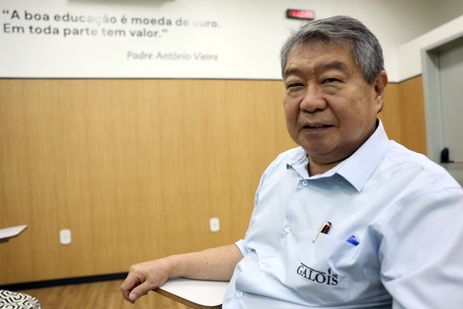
{"x":324,"y":229}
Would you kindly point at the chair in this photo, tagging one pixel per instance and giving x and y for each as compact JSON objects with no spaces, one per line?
{"x":195,"y":293}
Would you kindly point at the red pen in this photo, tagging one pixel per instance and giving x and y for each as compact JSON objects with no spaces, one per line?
{"x":324,"y":229}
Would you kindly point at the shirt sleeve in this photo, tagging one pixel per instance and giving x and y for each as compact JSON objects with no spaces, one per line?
{"x":241,"y":243}
{"x":421,"y":250}
{"x":241,"y":247}
{"x":274,"y":165}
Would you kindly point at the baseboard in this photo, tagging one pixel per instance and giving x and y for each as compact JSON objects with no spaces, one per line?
{"x":63,"y":281}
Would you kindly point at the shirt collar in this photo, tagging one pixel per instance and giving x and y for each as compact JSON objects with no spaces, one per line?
{"x":298,"y":162}
{"x":357,"y":168}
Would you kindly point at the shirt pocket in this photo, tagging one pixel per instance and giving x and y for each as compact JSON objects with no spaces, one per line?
{"x":319,"y":270}
{"x":337,"y":252}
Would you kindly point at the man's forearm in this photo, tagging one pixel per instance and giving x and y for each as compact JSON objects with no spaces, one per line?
{"x":210,"y":264}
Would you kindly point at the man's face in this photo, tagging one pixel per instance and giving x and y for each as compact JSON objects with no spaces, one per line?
{"x":330,"y":109}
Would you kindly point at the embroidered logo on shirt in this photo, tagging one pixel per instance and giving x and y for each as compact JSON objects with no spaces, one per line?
{"x":317,"y":276}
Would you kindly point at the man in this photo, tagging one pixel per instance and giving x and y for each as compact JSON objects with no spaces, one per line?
{"x":349,"y":219}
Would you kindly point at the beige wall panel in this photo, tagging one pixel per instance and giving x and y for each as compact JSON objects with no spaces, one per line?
{"x":412,"y":115}
{"x":403,"y":114}
{"x":135,"y":168}
{"x":390,"y":114}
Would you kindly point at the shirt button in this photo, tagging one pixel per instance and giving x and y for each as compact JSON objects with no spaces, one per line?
{"x":305,"y":182}
{"x":287,"y":229}
{"x":262,"y":266}
{"x":238,"y":294}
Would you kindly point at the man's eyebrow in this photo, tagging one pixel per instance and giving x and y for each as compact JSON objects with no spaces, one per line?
{"x":334,"y":65}
{"x":291,"y":71}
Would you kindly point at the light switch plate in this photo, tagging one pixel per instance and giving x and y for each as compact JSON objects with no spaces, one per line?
{"x":65,"y":236}
{"x":214,"y":224}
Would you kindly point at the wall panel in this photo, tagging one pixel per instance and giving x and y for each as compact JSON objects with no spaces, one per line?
{"x":403,"y":114}
{"x":135,"y":168}
{"x":413,"y":124}
{"x":390,"y":114}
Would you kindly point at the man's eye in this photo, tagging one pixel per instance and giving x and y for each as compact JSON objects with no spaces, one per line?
{"x":330,"y":80}
{"x":294,"y":85}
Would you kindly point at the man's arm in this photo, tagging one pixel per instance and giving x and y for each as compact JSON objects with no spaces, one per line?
{"x":421,"y":250}
{"x":210,"y":264}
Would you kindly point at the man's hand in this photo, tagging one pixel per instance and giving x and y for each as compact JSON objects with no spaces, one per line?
{"x":210,"y":264}
{"x":144,"y":277}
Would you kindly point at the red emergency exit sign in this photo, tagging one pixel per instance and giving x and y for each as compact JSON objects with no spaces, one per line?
{"x":300,"y":14}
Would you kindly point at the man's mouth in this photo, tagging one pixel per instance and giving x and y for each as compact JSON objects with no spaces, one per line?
{"x":316,"y":126}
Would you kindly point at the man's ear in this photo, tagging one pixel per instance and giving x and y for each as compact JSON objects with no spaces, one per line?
{"x":380,"y":84}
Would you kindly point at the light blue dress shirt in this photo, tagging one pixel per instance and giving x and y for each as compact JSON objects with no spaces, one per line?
{"x":396,"y":237}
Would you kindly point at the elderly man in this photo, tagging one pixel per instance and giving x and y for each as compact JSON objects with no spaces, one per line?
{"x":349,"y":219}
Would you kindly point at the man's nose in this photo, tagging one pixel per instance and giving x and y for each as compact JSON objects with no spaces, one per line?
{"x":313,"y":99}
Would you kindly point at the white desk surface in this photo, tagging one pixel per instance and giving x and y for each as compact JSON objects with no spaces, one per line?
{"x":195,"y":293}
{"x":10,"y":232}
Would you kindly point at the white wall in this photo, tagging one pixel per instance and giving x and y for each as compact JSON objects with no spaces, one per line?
{"x":409,"y":62}
{"x":447,"y":10}
{"x":393,"y":22}
{"x":401,"y":26}
{"x":247,"y":42}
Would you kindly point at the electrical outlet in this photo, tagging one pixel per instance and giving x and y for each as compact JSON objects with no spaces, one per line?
{"x":214,"y":224}
{"x":65,"y":237}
